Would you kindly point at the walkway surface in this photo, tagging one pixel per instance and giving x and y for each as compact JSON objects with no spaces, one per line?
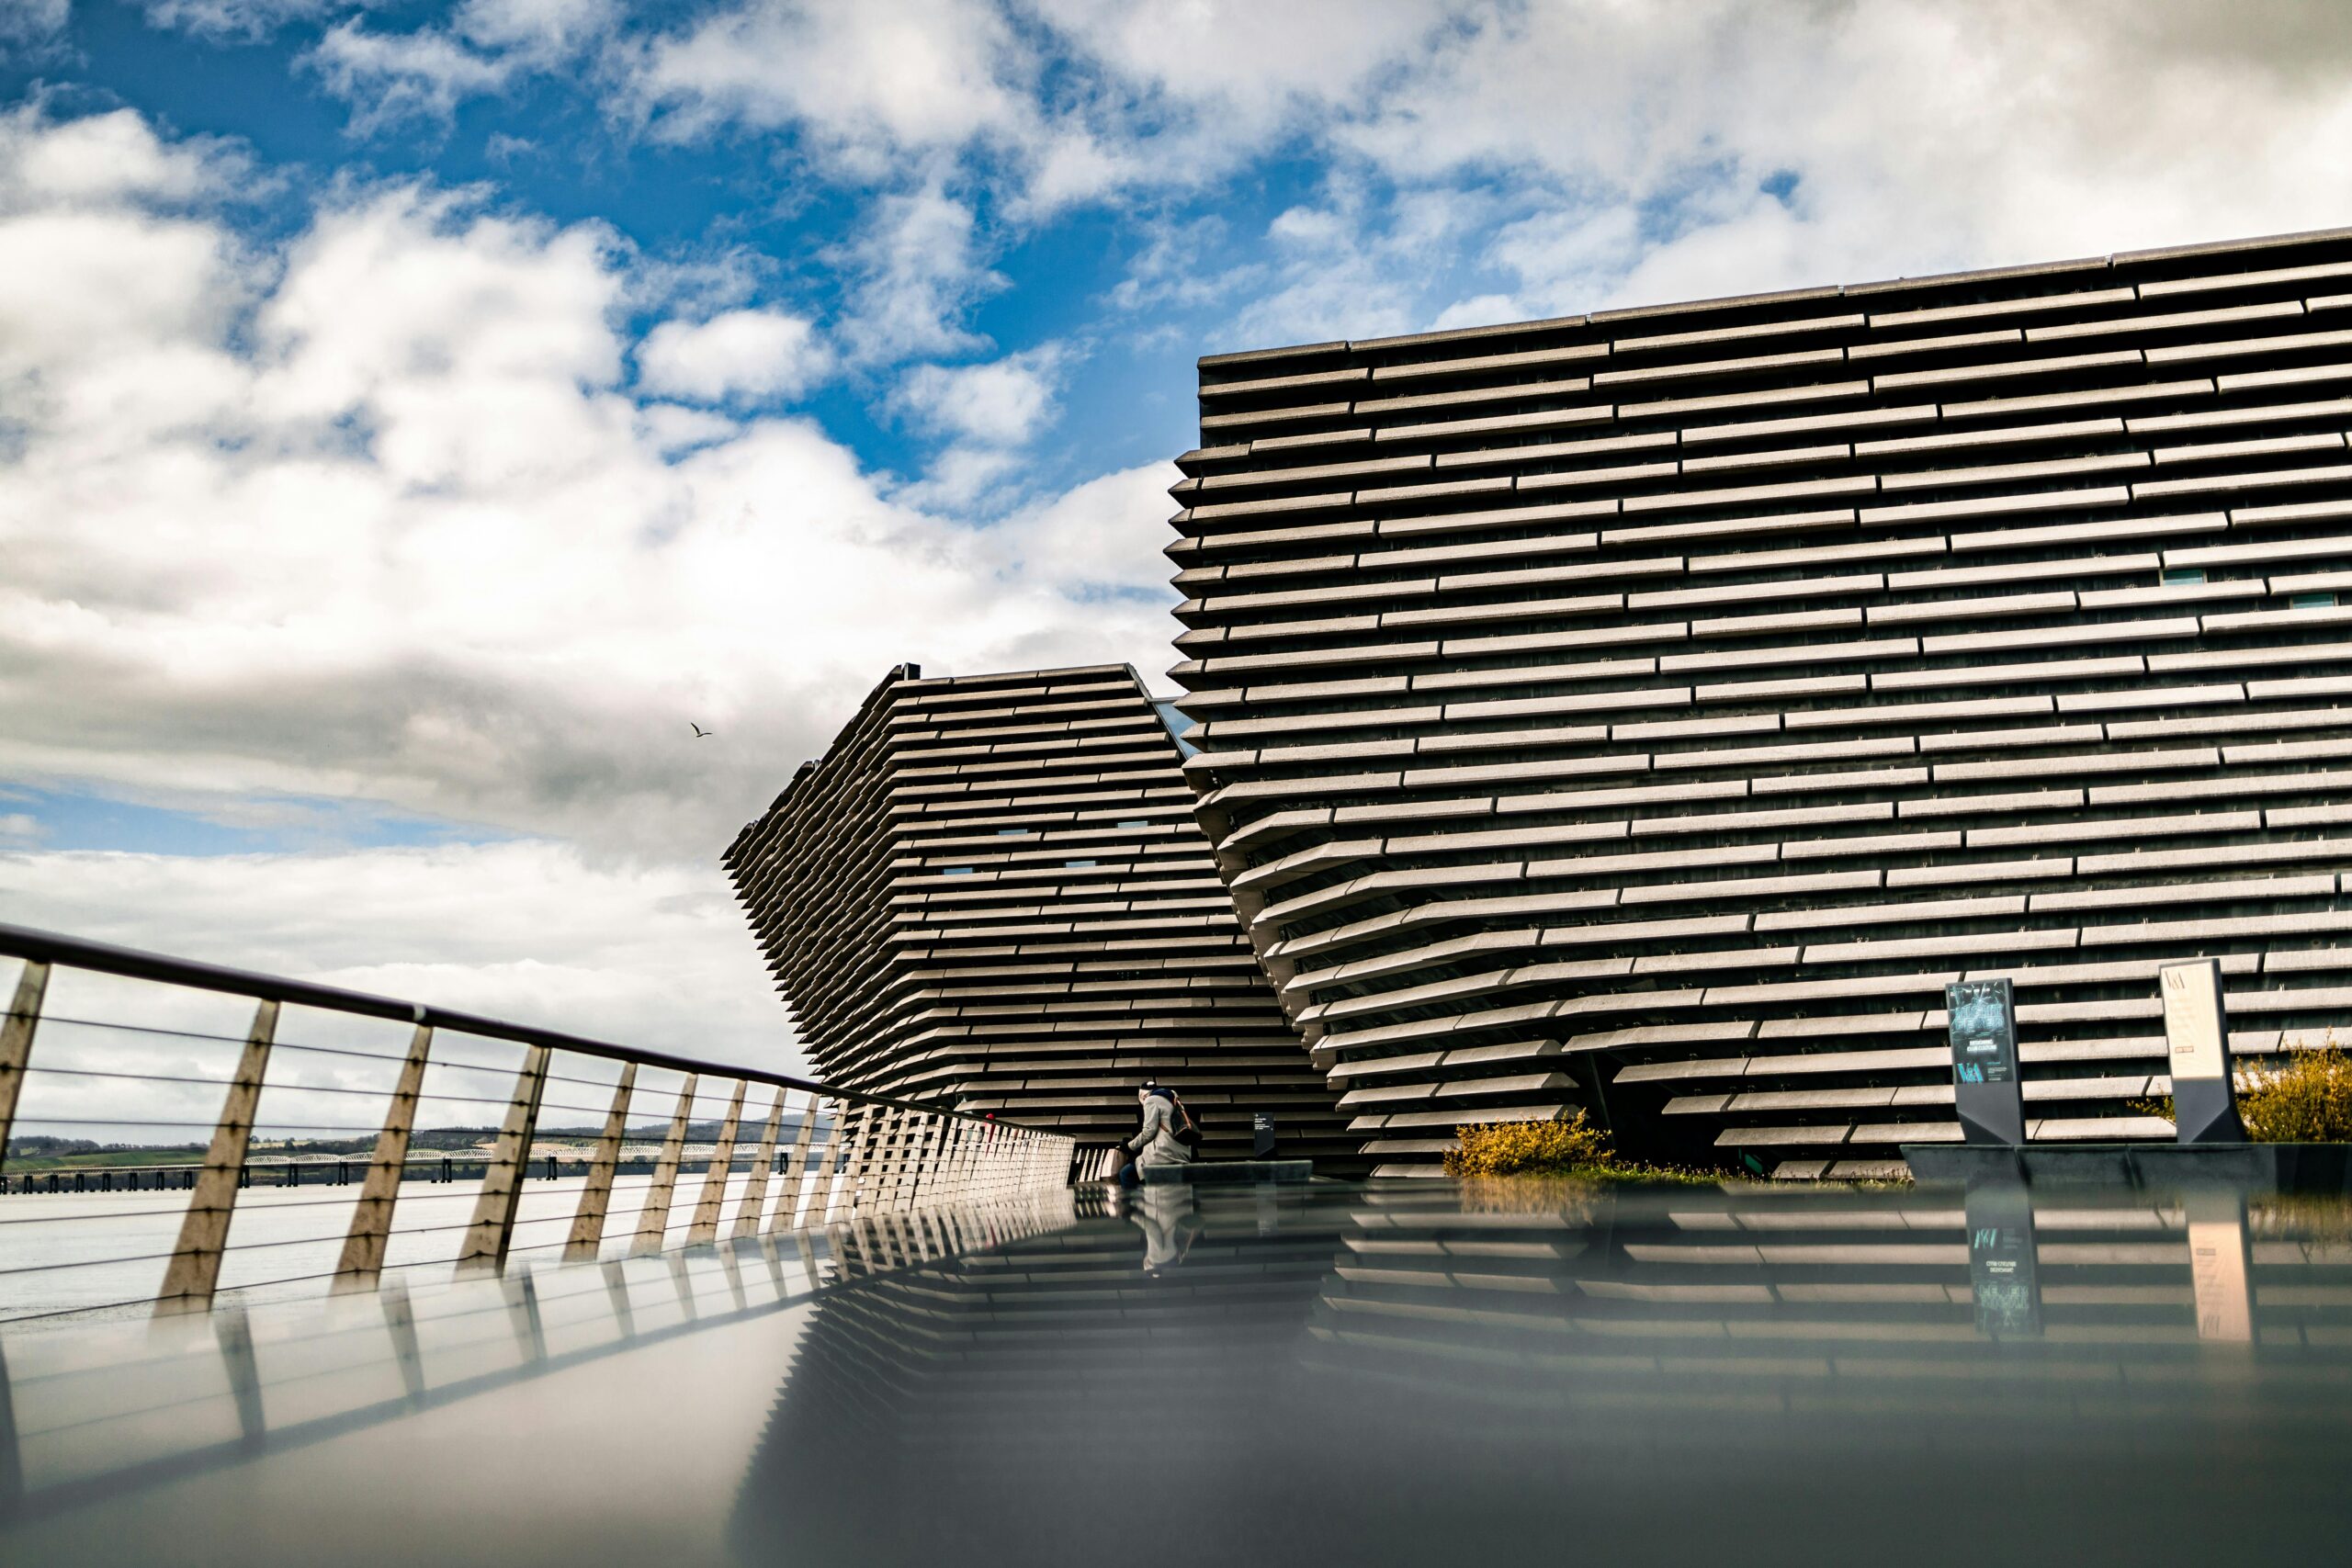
{"x":1404,"y":1373}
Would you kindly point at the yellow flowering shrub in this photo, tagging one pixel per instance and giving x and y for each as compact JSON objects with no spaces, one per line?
{"x":1528,"y":1148}
{"x":2306,"y":1098}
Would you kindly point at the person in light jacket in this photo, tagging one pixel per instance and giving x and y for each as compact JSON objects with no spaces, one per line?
{"x":1155,"y":1142}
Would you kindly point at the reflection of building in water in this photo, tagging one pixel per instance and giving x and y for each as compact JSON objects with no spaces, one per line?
{"x":1748,"y":1292}
{"x":942,"y":1415}
{"x":1754,"y":1371}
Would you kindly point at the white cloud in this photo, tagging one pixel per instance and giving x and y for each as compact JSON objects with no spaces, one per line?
{"x":989,"y":412}
{"x":431,"y":551}
{"x":962,"y":477}
{"x":234,"y":18}
{"x":32,"y":23}
{"x":543,"y":29}
{"x":1105,"y":538}
{"x":1003,"y":403}
{"x":754,"y":353}
{"x":872,"y":81}
{"x":1716,"y":145}
{"x":1916,"y":136}
{"x":426,"y":73}
{"x":103,"y":158}
{"x":389,"y":77}
{"x":917,"y":271}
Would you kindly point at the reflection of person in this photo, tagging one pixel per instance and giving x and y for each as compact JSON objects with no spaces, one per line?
{"x":1160,"y":1214}
{"x":1156,"y":1142}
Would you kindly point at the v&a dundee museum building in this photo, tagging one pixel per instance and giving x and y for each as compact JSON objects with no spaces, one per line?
{"x":1650,"y":713}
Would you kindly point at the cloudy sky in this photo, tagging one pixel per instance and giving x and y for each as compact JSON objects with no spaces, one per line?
{"x":412,"y":416}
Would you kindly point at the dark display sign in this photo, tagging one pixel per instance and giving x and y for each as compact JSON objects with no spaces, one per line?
{"x":1985,"y":1088}
{"x":1984,"y":1031}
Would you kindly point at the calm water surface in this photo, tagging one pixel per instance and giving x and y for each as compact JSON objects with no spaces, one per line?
{"x":1402,"y":1373}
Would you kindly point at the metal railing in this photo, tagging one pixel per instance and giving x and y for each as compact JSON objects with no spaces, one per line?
{"x":817,"y":1154}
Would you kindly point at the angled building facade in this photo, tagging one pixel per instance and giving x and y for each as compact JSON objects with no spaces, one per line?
{"x":1653,"y":711}
{"x":990,"y":891}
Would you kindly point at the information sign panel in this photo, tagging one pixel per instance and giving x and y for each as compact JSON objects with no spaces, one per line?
{"x":2196,"y":1036}
{"x":1985,"y":1088}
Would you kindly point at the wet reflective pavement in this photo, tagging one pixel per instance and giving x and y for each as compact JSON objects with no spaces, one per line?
{"x":1408,"y":1372}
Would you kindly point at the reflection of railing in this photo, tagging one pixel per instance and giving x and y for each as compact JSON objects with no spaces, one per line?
{"x":111,"y":1061}
{"x":89,"y":1417}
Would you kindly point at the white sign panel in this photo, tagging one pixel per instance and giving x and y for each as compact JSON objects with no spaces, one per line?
{"x":2192,"y":994}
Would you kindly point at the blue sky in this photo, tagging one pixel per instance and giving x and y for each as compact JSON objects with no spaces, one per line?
{"x":413,"y":415}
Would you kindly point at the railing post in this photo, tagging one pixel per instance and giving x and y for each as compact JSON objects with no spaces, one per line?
{"x":939,"y":1185}
{"x":722,"y":1167}
{"x":890,"y":1168}
{"x":870,"y":1129}
{"x":846,"y":1161}
{"x":914,"y":1137}
{"x":362,"y":1263}
{"x":755,"y":1191}
{"x":969,"y":1165}
{"x":596,"y":1196}
{"x":16,"y":1045}
{"x":870,"y":1169}
{"x":653,"y":1221}
{"x":194,"y":1269}
{"x":787,"y":1207}
{"x":927,"y":1152}
{"x":493,"y":1230}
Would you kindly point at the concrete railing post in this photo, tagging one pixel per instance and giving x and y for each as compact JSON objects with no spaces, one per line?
{"x":17,"y":1042}
{"x":195,"y":1268}
{"x":796,"y":1167}
{"x":493,"y":1230}
{"x":721,"y":1168}
{"x":845,"y":1172}
{"x":795,"y":1171}
{"x":755,"y":1193}
{"x":362,"y":1262}
{"x":931,"y":1185}
{"x":597,"y":1195}
{"x":653,"y":1221}
{"x":874,"y":1171}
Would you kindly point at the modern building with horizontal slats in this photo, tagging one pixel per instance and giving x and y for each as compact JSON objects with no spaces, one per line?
{"x":990,"y":891}
{"x":1654,"y":710}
